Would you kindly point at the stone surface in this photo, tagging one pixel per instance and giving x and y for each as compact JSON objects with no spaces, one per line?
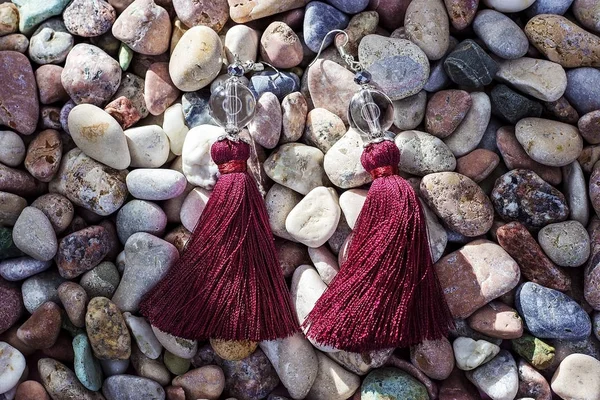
{"x":342,"y":162}
{"x":422,"y":154}
{"x":16,"y":269}
{"x":57,"y":208}
{"x":434,"y":357}
{"x":148,"y":146}
{"x":323,"y":129}
{"x":319,"y":19}
{"x":478,"y":164}
{"x":13,"y":148}
{"x":180,"y":347}
{"x":470,"y":66}
{"x":446,"y":109}
{"x":587,"y":14}
{"x":12,"y":366}
{"x":144,"y":27}
{"x":566,"y":243}
{"x":576,"y":377}
{"x":265,"y":127}
{"x":107,"y":331}
{"x":129,"y":386}
{"x":470,"y":354}
{"x":542,"y":79}
{"x":469,"y":133}
{"x":31,"y":390}
{"x":409,"y":112}
{"x":41,"y":288}
{"x":143,"y":335}
{"x":89,"y":18}
{"x":282,"y":167}
{"x":81,"y":251}
{"x":40,"y":242}
{"x":61,"y":382}
{"x":87,"y":368}
{"x":500,"y":34}
{"x":512,"y":106}
{"x":12,"y":304}
{"x":497,"y":320}
{"x":19,"y":97}
{"x":498,"y":378}
{"x":206,"y":382}
{"x":332,"y":381}
{"x":426,"y":24}
{"x":74,"y":299}
{"x":534,"y":350}
{"x":159,"y":90}
{"x":393,"y":384}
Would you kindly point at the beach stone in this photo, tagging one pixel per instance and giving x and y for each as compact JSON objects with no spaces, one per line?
{"x":31,"y":390}
{"x":563,"y":42}
{"x":594,"y":187}
{"x":323,"y":129}
{"x":332,"y":381}
{"x":558,"y":7}
{"x":41,"y":288}
{"x":50,"y":87}
{"x":180,"y":347}
{"x":41,"y":330}
{"x":123,"y":111}
{"x":265,"y":127}
{"x":50,"y":117}
{"x":280,"y":46}
{"x":9,"y":19}
{"x":434,"y":357}
{"x":470,"y":354}
{"x":497,"y":320}
{"x":360,"y":25}
{"x":81,"y":251}
{"x":148,"y":368}
{"x":351,"y":203}
{"x":422,"y":154}
{"x":468,"y":65}
{"x":342,"y":162}
{"x":478,"y":164}
{"x":11,"y":206}
{"x":331,"y":87}
{"x":13,"y":149}
{"x":89,"y":18}
{"x":141,"y":250}
{"x":550,"y":314}
{"x":213,"y":14}
{"x":193,"y":67}
{"x":512,"y":106}
{"x":470,"y":280}
{"x":198,"y":166}
{"x":144,"y":337}
{"x":101,"y":281}
{"x":469,"y":133}
{"x":461,"y":12}
{"x":155,"y":184}
{"x":589,"y":127}
{"x":61,"y":382}
{"x":497,"y":378}
{"x":18,"y":182}
{"x":132,"y":387}
{"x":566,"y":243}
{"x":319,"y":19}
{"x":446,"y":194}
{"x":587,"y":14}
{"x":380,"y":55}
{"x":233,"y":350}
{"x":114,"y":367}
{"x":535,"y":351}
{"x":446,"y":109}
{"x":14,"y":42}
{"x":241,"y":41}
{"x":12,"y":366}
{"x":515,"y":157}
{"x":393,"y":384}
{"x":508,"y":6}
{"x":581,"y":91}
{"x":106,"y":330}
{"x":302,"y":222}
{"x":549,"y":142}
{"x":295,"y":362}
{"x":542,"y":79}
{"x":159,"y":90}
{"x":90,"y":75}
{"x":535,"y":265}
{"x":206,"y":382}
{"x":148,"y":146}
{"x":426,"y":24}
{"x":409,"y":112}
{"x":562,"y":110}
{"x":349,"y":7}
{"x":457,"y":387}
{"x":33,"y":234}
{"x":532,"y":383}
{"x":280,"y":201}
{"x":294,"y":110}
{"x":87,"y":368}
{"x":74,"y":299}
{"x":195,"y":108}
{"x":32,"y":13}
{"x":192,"y":207}
{"x":176,"y":365}
{"x":279,"y":83}
{"x":44,"y":154}
{"x":57,"y":208}
{"x":515,"y":199}
{"x":175,"y":127}
{"x":12,"y":304}
{"x":576,"y":377}
{"x":575,"y":188}
{"x":20,"y":109}
{"x":144,"y":27}
{"x":16,"y":269}
{"x":500,"y":34}
{"x":291,"y":164}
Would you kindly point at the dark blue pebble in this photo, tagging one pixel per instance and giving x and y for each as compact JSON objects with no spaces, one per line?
{"x":195,"y":108}
{"x":319,"y":19}
{"x":280,"y":85}
{"x":583,"y":89}
{"x":349,"y":6}
{"x":558,"y":7}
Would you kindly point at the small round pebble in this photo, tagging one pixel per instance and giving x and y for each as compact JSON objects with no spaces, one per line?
{"x":89,"y":18}
{"x":566,"y":243}
{"x":39,"y":242}
{"x":500,"y":34}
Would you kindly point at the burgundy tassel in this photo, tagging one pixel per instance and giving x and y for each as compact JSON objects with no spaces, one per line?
{"x":228,"y":283}
{"x":386,"y":294}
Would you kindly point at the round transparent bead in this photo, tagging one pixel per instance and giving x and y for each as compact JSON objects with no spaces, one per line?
{"x":371,"y":112}
{"x":232,"y":105}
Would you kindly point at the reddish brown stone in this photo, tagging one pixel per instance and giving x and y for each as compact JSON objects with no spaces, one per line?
{"x":478,"y":164}
{"x":203,"y":382}
{"x":19,"y":182}
{"x":445,"y":111}
{"x":457,"y":387}
{"x":175,"y":393}
{"x":159,"y":90}
{"x":532,"y":383}
{"x":179,"y":237}
{"x":81,"y":251}
{"x":434,"y":357}
{"x":44,"y":155}
{"x":461,"y":12}
{"x":562,"y":110}
{"x":14,"y":42}
{"x":74,"y":299}
{"x":41,"y":330}
{"x":497,"y":320}
{"x":49,"y":85}
{"x":589,"y":127}
{"x":123,"y":110}
{"x":514,"y":156}
{"x":588,"y":158}
{"x":391,"y":12}
{"x":31,"y":390}
{"x":62,"y":350}
{"x":10,"y":337}
{"x":11,"y":304}
{"x":535,"y":265}
{"x":18,"y":97}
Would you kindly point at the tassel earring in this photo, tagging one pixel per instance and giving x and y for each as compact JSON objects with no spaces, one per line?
{"x":386,"y":294}
{"x":227,"y":284}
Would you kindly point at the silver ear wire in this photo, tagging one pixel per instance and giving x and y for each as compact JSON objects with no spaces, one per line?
{"x":348,"y":59}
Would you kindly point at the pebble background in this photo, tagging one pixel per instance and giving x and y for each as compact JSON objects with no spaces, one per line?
{"x":105,"y":169}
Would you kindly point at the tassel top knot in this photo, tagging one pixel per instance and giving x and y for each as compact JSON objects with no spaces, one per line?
{"x":230,"y":156}
{"x":381,"y":159}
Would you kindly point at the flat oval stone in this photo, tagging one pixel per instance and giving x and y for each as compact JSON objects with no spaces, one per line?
{"x":282,"y":167}
{"x":550,"y":314}
{"x":193,"y":67}
{"x":74,"y":299}
{"x":81,"y":251}
{"x":144,"y":27}
{"x":319,"y":19}
{"x":351,"y":203}
{"x":148,"y":146}
{"x":500,"y":34}
{"x":422,"y":154}
{"x":563,"y":42}
{"x":307,"y":286}
{"x":41,"y":330}
{"x":233,"y":350}
{"x":516,"y":198}
{"x":294,"y":110}
{"x":20,"y":109}
{"x":18,"y":182}
{"x":144,"y":337}
{"x":16,"y":269}
{"x":393,"y":384}
{"x":57,"y":208}
{"x":14,"y":42}
{"x":426,"y":24}
{"x":461,"y":12}
{"x":542,"y":79}
{"x":323,"y":129}
{"x":589,"y":127}
{"x":468,"y":65}
{"x":106,"y":330}
{"x":155,"y":184}
{"x":11,"y":206}
{"x":44,"y":154}
{"x":265,"y":127}
{"x":41,"y":288}
{"x":549,"y":142}
{"x":11,"y":301}
{"x":582,"y":91}
{"x":587,"y":13}
{"x":314,"y":219}
{"x":409,"y":112}
{"x":61,"y":382}
{"x":512,"y":106}
{"x":89,"y":18}
{"x":87,"y":368}
{"x":470,"y":279}
{"x":446,"y":109}
{"x":499,"y":377}
{"x":566,"y":243}
{"x":576,"y":377}
{"x":12,"y":366}
{"x":13,"y":149}
{"x":243,"y":41}
{"x":33,"y":234}
{"x":333,"y":381}
{"x":279,"y":201}
{"x":140,"y":216}
{"x":478,"y":164}
{"x":558,"y":7}
{"x":129,"y":386}
{"x":497,"y":320}
{"x":90,"y":75}
{"x":342,"y":162}
{"x":380,"y":55}
{"x":535,"y":265}
{"x":102,"y":281}
{"x":280,"y":46}
{"x":434,"y":357}
{"x":192,"y":207}
{"x":205,"y":382}
{"x":469,"y":133}
{"x":575,"y":188}
{"x":459,"y":202}
{"x":508,"y":6}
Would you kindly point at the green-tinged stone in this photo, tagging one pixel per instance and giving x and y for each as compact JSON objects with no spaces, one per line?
{"x":392,"y":384}
{"x":177,"y":365}
{"x":536,"y":352}
{"x":7,"y":246}
{"x":87,"y":367}
{"x":34,"y":12}
{"x":125,"y":56}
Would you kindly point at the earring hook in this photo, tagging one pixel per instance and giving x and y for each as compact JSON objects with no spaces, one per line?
{"x":348,"y":59}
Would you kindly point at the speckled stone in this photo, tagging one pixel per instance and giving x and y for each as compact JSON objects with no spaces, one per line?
{"x":500,"y":34}
{"x":184,"y":348}
{"x":497,"y":320}
{"x":380,"y":55}
{"x":106,"y":330}
{"x":542,"y":79}
{"x":563,"y":42}
{"x":31,"y":390}
{"x":89,"y":18}
{"x":41,"y":288}
{"x":512,"y":106}
{"x":129,"y":386}
{"x":16,"y":269}
{"x":446,"y":109}
{"x":265,"y":127}
{"x":123,"y":111}
{"x":393,"y":384}
{"x":587,"y":13}
{"x":409,"y":112}
{"x":461,"y":12}
{"x":32,"y":13}
{"x":81,"y":251}
{"x":33,"y":234}
{"x":144,"y":27}
{"x":319,"y":19}
{"x":213,"y":14}
{"x":294,"y":110}
{"x":589,"y":127}
{"x":74,"y":299}
{"x":101,"y":281}
{"x":148,"y":368}
{"x":422,"y":154}
{"x":205,"y":382}
{"x":434,"y":357}
{"x":280,"y":46}
{"x":11,"y":206}
{"x":159,"y":90}
{"x":232,"y":350}
{"x":470,"y":132}
{"x":534,"y":350}
{"x":12,"y":305}
{"x":44,"y":154}
{"x":61,"y":382}
{"x":148,"y":146}
{"x":132,"y":87}
{"x":14,"y":42}
{"x":576,"y":377}
{"x":497,"y":378}
{"x":9,"y":19}
{"x":478,"y":164}
{"x":516,"y":198}
{"x":20,"y":109}
{"x":41,"y":330}
{"x":558,"y":7}
{"x":550,"y":314}
{"x":562,"y":110}
{"x":566,"y":243}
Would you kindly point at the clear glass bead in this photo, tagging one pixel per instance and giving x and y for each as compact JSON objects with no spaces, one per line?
{"x":371,"y":112}
{"x":232,"y":105}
